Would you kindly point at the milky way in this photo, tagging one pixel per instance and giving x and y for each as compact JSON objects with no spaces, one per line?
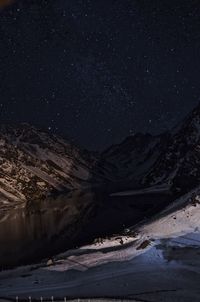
{"x":98,"y":71}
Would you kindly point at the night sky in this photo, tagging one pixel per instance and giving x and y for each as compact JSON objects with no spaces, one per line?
{"x":96,"y":71}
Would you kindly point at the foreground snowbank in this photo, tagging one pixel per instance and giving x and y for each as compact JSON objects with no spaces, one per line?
{"x":179,"y":219}
{"x":158,"y":261}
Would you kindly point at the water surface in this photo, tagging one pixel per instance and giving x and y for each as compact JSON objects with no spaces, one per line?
{"x":45,"y":228}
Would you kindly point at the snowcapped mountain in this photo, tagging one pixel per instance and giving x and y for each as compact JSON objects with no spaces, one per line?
{"x":34,"y":164}
{"x":171,"y":158}
{"x":179,"y":163}
{"x":134,"y":157}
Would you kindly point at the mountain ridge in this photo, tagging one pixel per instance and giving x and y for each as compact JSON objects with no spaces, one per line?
{"x":36,"y":164}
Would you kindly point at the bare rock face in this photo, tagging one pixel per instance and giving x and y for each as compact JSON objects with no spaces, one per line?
{"x":34,"y":164}
{"x":135,"y":156}
{"x":171,"y":158}
{"x":179,"y":163}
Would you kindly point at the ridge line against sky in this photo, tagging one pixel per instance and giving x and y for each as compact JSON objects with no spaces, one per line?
{"x":98,"y":71}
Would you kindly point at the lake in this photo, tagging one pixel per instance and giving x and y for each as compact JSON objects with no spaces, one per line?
{"x":45,"y":228}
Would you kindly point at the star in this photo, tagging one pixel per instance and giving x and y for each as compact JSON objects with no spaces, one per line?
{"x":78,"y":68}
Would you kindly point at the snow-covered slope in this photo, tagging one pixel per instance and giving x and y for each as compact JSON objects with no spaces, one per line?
{"x":179,"y":163}
{"x":164,"y":252}
{"x":34,"y":164}
{"x":180,"y":218}
{"x":172,"y":158}
{"x":134,"y":157}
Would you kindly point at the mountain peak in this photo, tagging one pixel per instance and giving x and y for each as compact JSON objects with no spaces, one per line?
{"x":35,"y":163}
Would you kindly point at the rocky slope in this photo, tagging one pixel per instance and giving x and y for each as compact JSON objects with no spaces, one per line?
{"x":34,"y":164}
{"x":134,"y":157}
{"x":171,"y":158}
{"x":179,"y":163}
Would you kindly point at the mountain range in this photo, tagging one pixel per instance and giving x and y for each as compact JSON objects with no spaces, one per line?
{"x":35,"y":164}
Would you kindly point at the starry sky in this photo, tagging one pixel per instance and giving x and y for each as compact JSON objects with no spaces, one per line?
{"x":96,"y":71}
